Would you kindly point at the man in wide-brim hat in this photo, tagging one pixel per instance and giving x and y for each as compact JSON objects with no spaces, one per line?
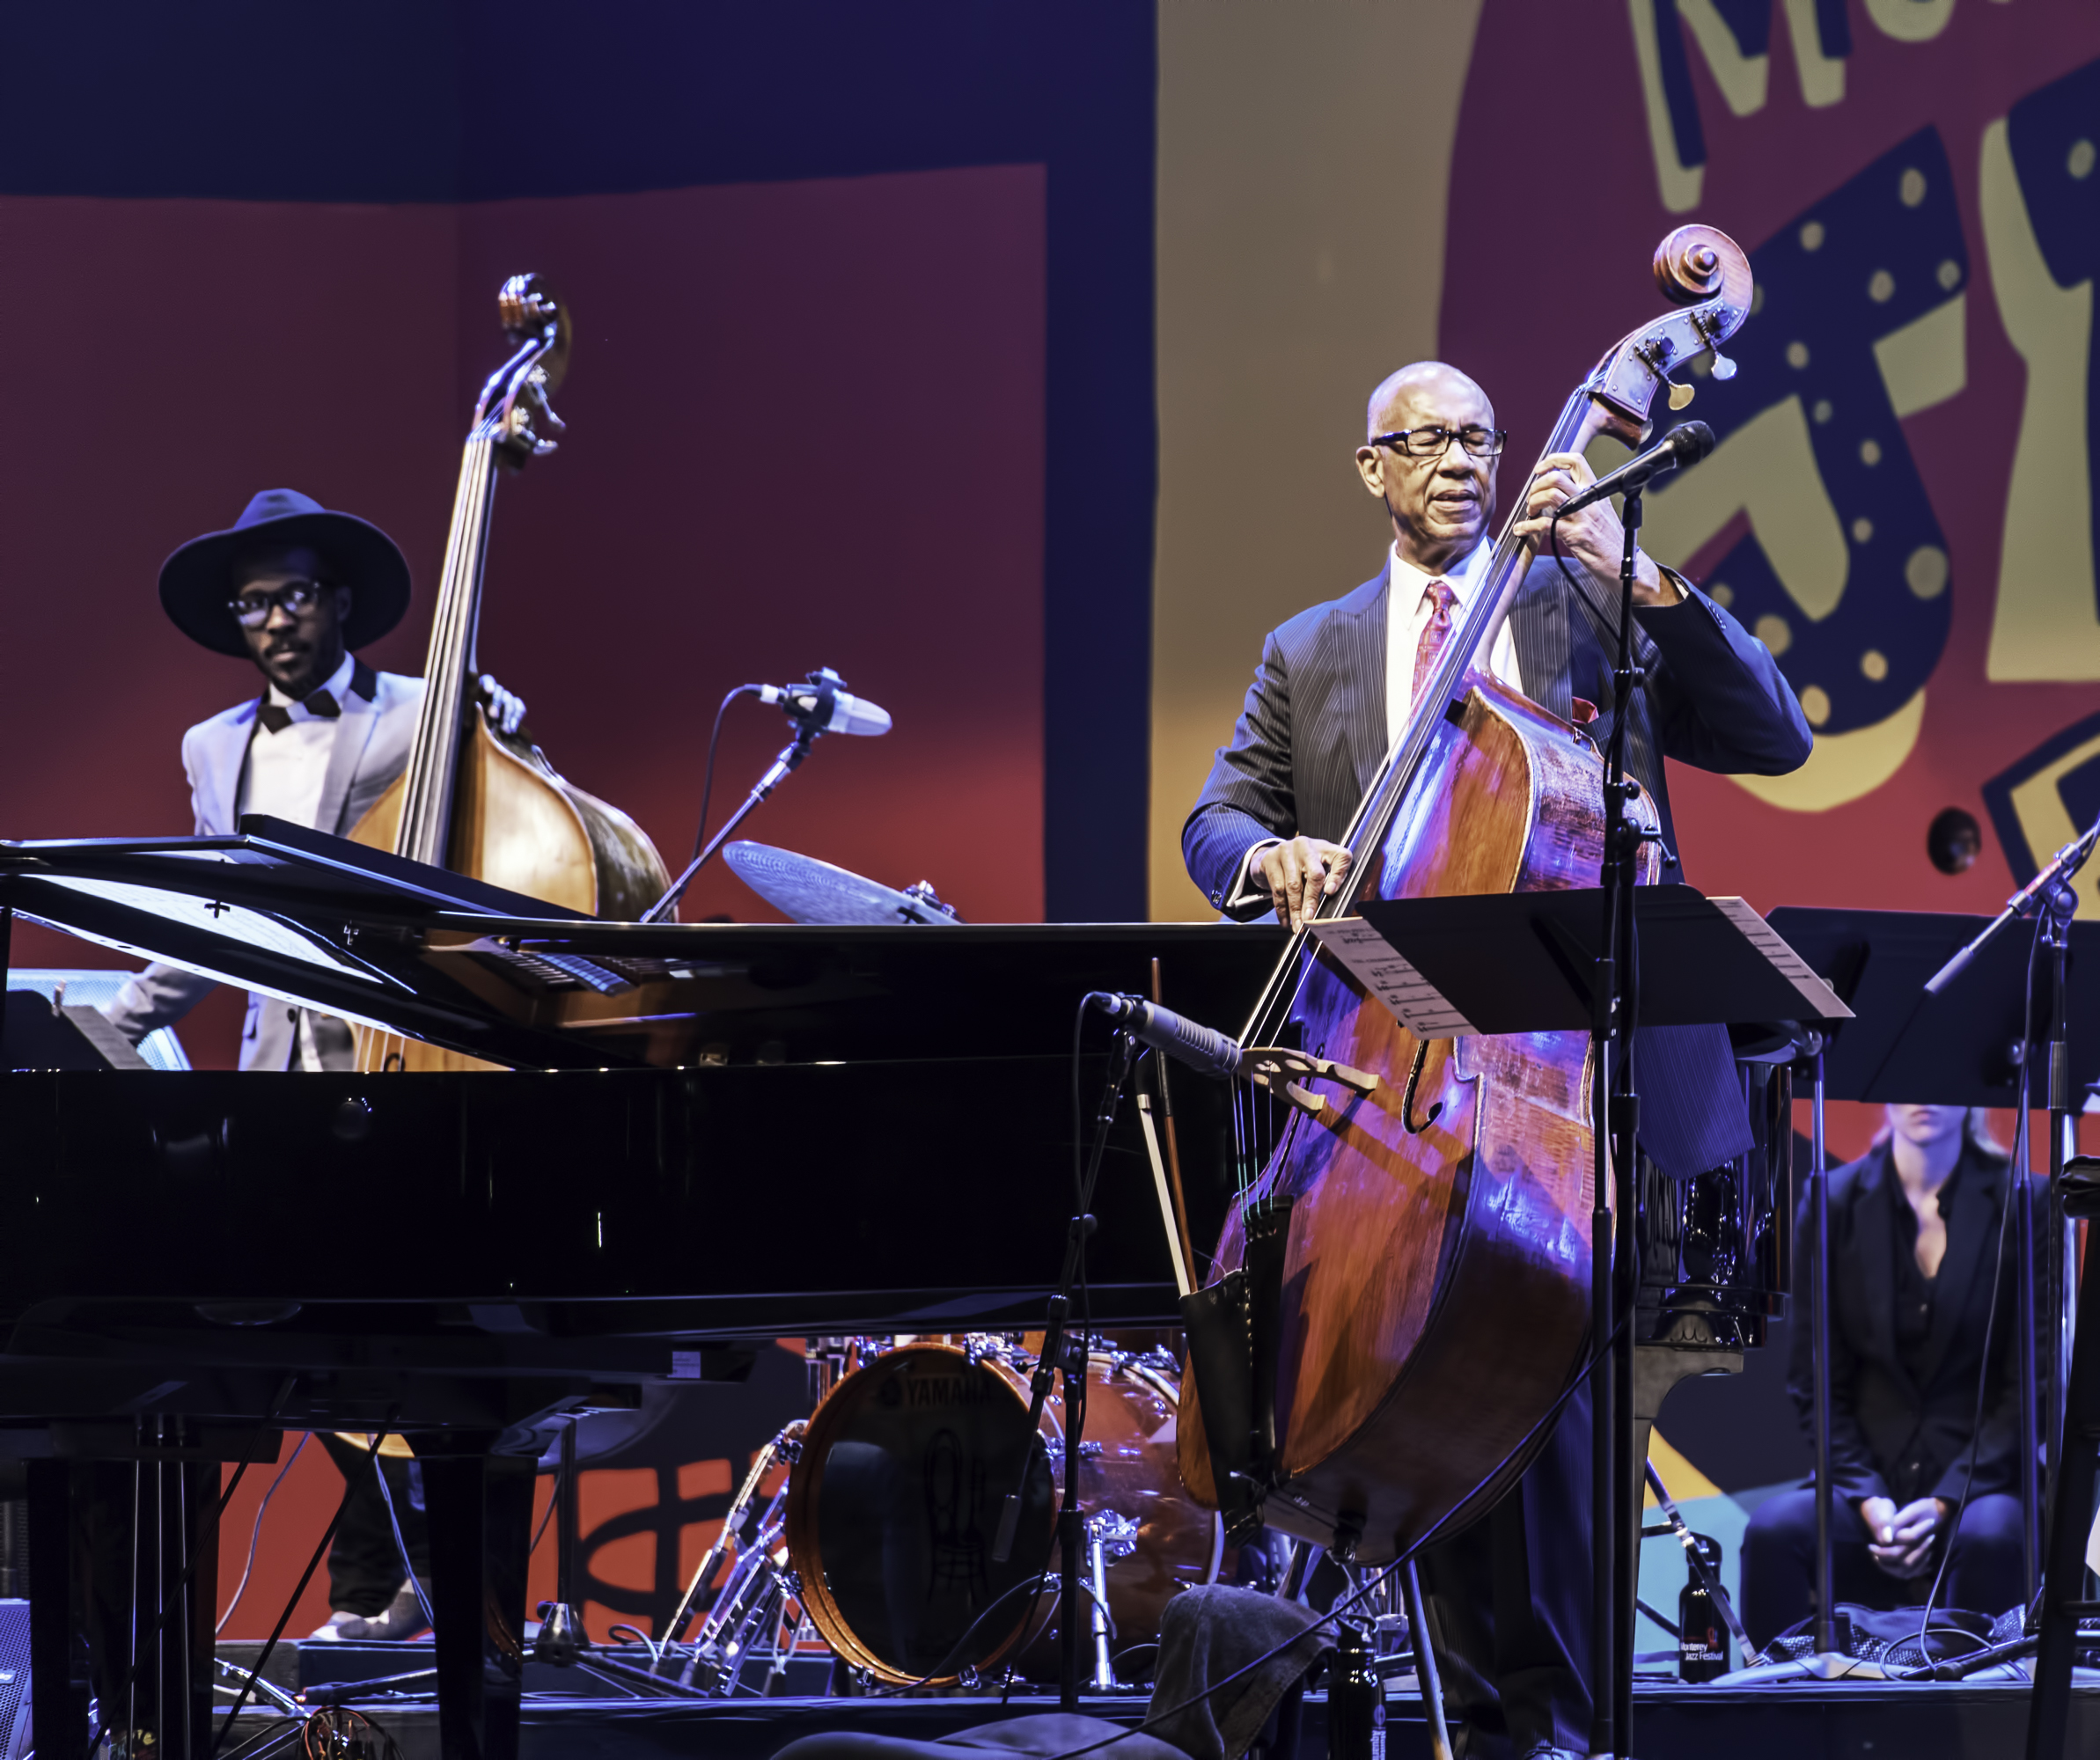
{"x":296,"y":588}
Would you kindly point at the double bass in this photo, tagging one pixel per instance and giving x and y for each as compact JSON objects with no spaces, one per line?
{"x":1434,"y":1232}
{"x":474,"y":798}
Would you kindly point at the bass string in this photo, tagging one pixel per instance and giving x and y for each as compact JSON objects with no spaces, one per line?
{"x":427,"y":796}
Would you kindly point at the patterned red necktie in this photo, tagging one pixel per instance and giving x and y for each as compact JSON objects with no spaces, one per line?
{"x":1435,"y":632}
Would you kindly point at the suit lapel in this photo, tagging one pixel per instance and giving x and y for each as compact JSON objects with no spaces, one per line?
{"x":1873,"y":1235}
{"x":1972,"y":1234}
{"x":225,"y":752}
{"x":353,"y":733}
{"x":1363,"y":682}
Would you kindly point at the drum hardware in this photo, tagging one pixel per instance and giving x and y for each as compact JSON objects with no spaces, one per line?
{"x":1058,"y":1358}
{"x":1108,"y":1536}
{"x":755,"y":1579}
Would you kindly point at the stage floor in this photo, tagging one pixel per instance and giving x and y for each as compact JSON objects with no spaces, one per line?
{"x":567,"y":1716}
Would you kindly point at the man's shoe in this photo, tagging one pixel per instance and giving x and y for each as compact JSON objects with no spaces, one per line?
{"x":402,"y":1620}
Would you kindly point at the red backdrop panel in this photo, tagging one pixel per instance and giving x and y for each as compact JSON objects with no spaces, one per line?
{"x":805,"y":427}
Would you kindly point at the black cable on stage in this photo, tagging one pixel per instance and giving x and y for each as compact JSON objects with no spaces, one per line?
{"x":553,"y":1503}
{"x":284,"y":1618}
{"x":707,"y":791}
{"x":393,"y":1522}
{"x":255,"y":1533}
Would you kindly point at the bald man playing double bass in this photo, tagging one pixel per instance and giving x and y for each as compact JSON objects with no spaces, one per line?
{"x":1509,"y":1597}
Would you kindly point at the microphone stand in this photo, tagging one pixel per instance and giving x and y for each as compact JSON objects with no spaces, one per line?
{"x":1068,"y":1356}
{"x":1615,"y":1119}
{"x":806,"y":730}
{"x":2050,"y":895}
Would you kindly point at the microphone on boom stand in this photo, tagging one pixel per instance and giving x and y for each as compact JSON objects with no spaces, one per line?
{"x":1683,"y":445}
{"x":819,"y":706}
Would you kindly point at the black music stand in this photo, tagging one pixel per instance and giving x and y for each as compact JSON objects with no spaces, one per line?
{"x":1964,"y":1046}
{"x":1536,"y":962}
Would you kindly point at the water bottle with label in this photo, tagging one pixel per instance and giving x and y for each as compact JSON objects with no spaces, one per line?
{"x":1702,"y":1639}
{"x":1356,"y":1701}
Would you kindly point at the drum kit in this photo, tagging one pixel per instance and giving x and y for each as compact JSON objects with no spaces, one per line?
{"x":877,"y":1544}
{"x":865,"y":1531}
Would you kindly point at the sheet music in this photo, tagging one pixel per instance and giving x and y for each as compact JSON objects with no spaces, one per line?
{"x":233,"y":922}
{"x":1375,"y":963}
{"x":1820,"y":1001}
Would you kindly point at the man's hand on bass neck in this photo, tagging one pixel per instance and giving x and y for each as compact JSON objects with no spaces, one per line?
{"x":1593,"y":536}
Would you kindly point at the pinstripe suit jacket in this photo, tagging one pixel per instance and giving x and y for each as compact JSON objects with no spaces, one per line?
{"x":1308,"y":742}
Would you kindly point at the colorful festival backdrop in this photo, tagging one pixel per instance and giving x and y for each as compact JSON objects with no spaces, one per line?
{"x":1011,"y":360}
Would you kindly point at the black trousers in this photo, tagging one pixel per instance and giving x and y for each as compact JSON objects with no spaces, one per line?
{"x":364,"y":1563}
{"x":1508,"y":1605}
{"x":1985,"y":1572}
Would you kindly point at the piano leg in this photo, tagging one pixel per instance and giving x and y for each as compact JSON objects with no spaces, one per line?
{"x":481,"y":1511}
{"x":58,"y":1682}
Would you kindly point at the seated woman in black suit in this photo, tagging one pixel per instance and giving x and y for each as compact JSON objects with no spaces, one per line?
{"x":1914,"y":1237}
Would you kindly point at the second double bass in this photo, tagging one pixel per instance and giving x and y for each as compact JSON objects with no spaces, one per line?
{"x":473,"y":798}
{"x":1432,"y":1237}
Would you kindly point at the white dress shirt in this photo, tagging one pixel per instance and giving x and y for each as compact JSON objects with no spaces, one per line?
{"x":286,"y":770}
{"x":1408,"y":609}
{"x":283,"y":777}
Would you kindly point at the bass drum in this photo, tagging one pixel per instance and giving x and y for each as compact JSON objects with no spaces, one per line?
{"x":893,"y":1508}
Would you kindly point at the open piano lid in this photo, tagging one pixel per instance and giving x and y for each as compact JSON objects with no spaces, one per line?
{"x":329,"y":924}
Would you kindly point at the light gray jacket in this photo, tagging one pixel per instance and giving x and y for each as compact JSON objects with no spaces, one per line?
{"x":370,"y":750}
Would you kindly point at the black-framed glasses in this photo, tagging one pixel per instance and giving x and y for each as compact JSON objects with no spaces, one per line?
{"x":1433,"y":443}
{"x":295,"y":598}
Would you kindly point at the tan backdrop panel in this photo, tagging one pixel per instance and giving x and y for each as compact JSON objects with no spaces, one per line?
{"x":1305,"y":157}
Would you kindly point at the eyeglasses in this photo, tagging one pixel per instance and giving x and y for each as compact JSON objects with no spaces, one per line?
{"x":1433,"y":443}
{"x":252,"y":610}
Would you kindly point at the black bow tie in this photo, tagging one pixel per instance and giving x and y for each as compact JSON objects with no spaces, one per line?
{"x":275,"y":720}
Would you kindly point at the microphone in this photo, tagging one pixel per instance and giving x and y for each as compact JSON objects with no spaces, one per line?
{"x":1684,"y":445}
{"x":1202,"y":1047}
{"x":824,"y":705}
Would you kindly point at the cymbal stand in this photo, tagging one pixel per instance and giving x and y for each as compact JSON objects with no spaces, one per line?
{"x":561,"y":1640}
{"x":806,"y":730}
{"x":1063,"y":1355}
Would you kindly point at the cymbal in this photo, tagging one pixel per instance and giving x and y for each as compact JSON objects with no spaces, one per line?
{"x":813,"y":891}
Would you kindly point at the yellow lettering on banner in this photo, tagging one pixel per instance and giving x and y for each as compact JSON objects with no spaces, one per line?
{"x":1742,"y":78}
{"x":1766,"y":469}
{"x":1911,"y":21}
{"x":2044,"y":624}
{"x":2046,"y":821}
{"x":1822,"y":76}
{"x":1844,"y":766}
{"x":1926,"y":361}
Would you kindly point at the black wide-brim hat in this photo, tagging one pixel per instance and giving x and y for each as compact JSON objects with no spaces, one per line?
{"x":197,"y":582}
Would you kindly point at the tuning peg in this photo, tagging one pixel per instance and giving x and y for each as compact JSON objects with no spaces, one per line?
{"x":1723,"y":368}
{"x":1679,"y":395}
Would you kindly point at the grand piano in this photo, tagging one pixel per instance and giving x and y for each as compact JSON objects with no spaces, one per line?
{"x":701,"y":1137}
